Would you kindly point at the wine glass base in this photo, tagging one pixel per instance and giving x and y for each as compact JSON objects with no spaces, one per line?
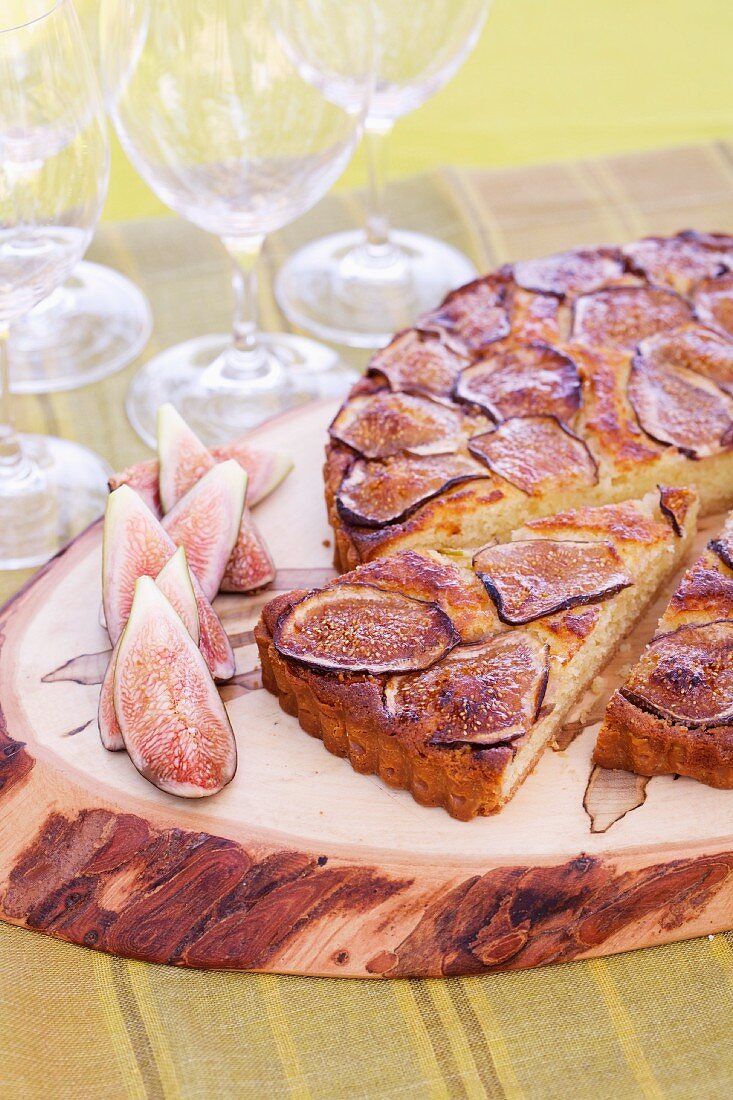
{"x":93,"y":326}
{"x":305,"y":371}
{"x":322,"y":290}
{"x":61,"y":490}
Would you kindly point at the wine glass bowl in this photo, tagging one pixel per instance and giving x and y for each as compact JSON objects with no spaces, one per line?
{"x":54,"y":166}
{"x":240,"y":126}
{"x":357,"y":287}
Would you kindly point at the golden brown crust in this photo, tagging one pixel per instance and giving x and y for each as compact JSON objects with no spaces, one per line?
{"x":348,"y":715}
{"x":636,"y":741}
{"x":385,"y":727}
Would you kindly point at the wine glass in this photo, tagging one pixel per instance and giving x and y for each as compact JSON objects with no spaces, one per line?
{"x":236,"y":130}
{"x":359,"y":287}
{"x":93,"y":325}
{"x":54,"y":166}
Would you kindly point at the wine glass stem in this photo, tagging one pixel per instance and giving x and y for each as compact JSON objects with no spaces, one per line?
{"x":245,"y":361}
{"x":377,"y":221}
{"x":11,"y":456}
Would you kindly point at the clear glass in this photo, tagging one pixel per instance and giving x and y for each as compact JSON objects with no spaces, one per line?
{"x":93,"y":325}
{"x":359,"y":287}
{"x":240,"y":116}
{"x":54,"y":166}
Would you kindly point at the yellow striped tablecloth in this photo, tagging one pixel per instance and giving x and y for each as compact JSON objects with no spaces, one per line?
{"x":649,"y":1024}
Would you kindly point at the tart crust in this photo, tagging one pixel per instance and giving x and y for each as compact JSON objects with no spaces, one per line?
{"x":349,"y":711}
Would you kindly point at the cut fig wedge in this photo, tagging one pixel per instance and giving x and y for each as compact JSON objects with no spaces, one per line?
{"x":173,"y":722}
{"x":693,"y":348}
{"x":384,"y":424}
{"x":535,"y":453}
{"x":135,"y":545}
{"x":483,"y":695}
{"x":143,"y":478}
{"x":417,"y":362}
{"x":687,"y":676}
{"x":206,"y":521}
{"x":374,"y":494}
{"x":676,"y":406}
{"x":472,"y":317}
{"x":530,"y":380}
{"x":357,"y":628}
{"x":678,"y":262}
{"x":250,"y":565}
{"x":530,"y":579}
{"x":182,"y":458}
{"x":714,"y":303}
{"x":620,"y":317}
{"x":176,"y":584}
{"x":570,"y":273}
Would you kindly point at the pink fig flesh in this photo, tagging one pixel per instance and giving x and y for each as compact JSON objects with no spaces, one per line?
{"x":174,"y":724}
{"x":206,"y":522}
{"x":176,"y":584}
{"x":250,"y":565}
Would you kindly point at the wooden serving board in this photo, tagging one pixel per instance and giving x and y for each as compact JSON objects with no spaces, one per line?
{"x":301,"y":865}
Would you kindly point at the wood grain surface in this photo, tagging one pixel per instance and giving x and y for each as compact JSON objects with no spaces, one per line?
{"x":301,"y":865}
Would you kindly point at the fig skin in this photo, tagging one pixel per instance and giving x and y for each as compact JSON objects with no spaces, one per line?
{"x":207,"y":520}
{"x":422,"y":633}
{"x":723,"y":547}
{"x":173,"y":722}
{"x":522,"y":593}
{"x":695,"y":666}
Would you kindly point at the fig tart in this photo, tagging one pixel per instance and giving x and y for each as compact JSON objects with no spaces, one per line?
{"x":447,"y":673}
{"x":586,"y":377}
{"x":674,"y":713}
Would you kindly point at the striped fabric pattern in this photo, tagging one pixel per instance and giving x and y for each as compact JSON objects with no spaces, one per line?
{"x":649,"y":1024}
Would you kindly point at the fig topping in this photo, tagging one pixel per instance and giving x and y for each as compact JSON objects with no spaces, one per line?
{"x":714,"y":303}
{"x":418,"y":362}
{"x":473,"y":316}
{"x":695,"y":348}
{"x":385,"y":423}
{"x":687,"y":676}
{"x":527,"y":580}
{"x":674,"y":505}
{"x":678,"y":407}
{"x":482,"y":695}
{"x":569,"y":273}
{"x":377,"y":493}
{"x":535,"y":453}
{"x":533,"y":380}
{"x":357,"y":628}
{"x":173,"y":722}
{"x":678,"y":262}
{"x":620,"y":317}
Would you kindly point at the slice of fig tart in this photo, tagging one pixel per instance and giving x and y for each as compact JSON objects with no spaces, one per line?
{"x":447,"y":674}
{"x":674,"y":713}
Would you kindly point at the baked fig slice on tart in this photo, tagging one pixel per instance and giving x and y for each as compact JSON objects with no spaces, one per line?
{"x":448,"y":676}
{"x":674,"y":712}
